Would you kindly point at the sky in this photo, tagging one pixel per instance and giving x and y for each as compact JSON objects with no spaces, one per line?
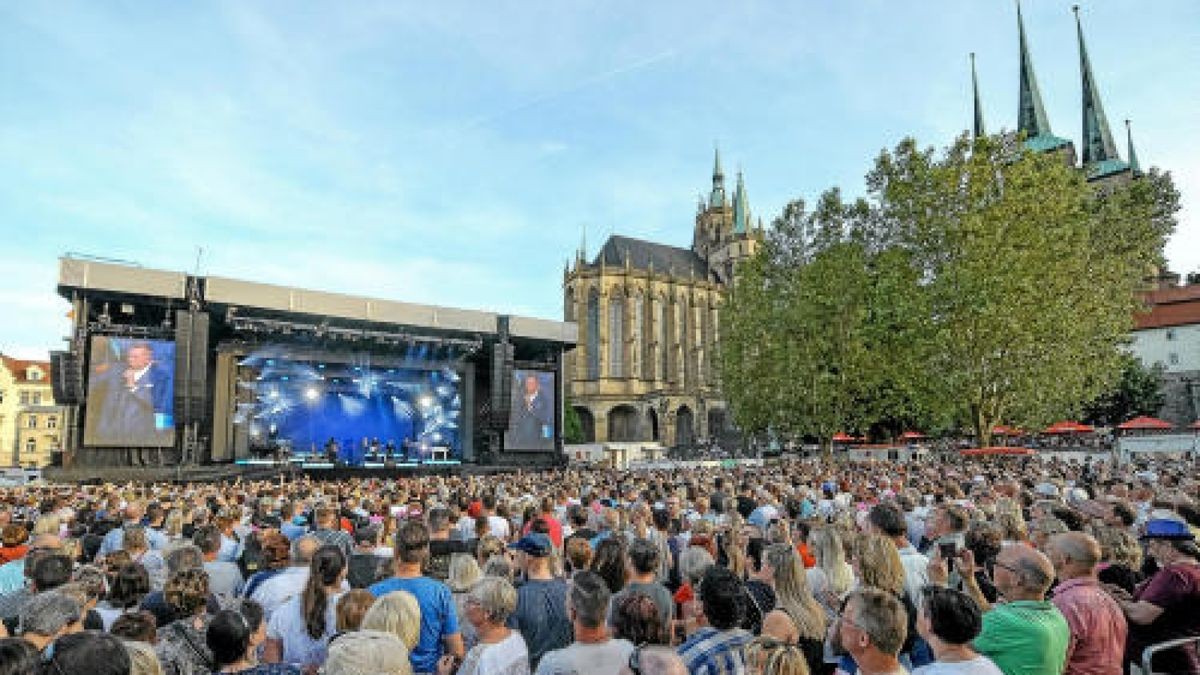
{"x":458,"y":153}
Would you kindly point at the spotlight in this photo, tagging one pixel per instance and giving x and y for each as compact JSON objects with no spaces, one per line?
{"x":312,"y":394}
{"x":425,"y":401}
{"x":274,"y":393}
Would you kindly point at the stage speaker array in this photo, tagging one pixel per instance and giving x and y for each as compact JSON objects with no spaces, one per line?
{"x":66,"y":378}
{"x":502,"y":366}
{"x":191,"y":365}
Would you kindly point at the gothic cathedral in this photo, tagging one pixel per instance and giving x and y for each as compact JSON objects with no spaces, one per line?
{"x":649,"y":316}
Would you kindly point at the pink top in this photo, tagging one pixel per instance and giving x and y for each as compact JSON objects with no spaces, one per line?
{"x":1098,"y":628}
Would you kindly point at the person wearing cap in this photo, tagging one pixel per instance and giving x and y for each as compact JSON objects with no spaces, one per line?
{"x":541,"y":615}
{"x":1165,"y":607}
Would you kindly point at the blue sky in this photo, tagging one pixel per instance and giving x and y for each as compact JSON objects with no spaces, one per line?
{"x":452,"y":153}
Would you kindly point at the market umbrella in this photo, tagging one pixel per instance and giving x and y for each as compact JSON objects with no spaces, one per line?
{"x":912,"y":436}
{"x":1068,"y":427}
{"x":1145,"y":423}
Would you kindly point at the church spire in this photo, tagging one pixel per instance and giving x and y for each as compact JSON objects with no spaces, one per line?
{"x":976,"y":130}
{"x":717,"y":197}
{"x":1098,"y":144}
{"x":1031,"y":116}
{"x":741,"y":213}
{"x":1132,"y":154}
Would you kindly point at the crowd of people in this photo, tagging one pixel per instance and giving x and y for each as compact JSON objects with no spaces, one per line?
{"x":1016,"y":566}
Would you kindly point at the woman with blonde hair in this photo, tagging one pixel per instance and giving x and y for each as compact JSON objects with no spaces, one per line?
{"x":464,"y":572}
{"x":500,"y":649}
{"x":173,"y":525}
{"x":798,"y":619}
{"x":733,"y":545}
{"x":488,"y":546}
{"x":878,"y":564}
{"x":832,"y":577}
{"x":397,"y":613}
{"x":768,"y":656}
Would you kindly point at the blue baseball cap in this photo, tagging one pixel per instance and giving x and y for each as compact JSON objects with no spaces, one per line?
{"x":535,"y":544}
{"x":1167,"y":528}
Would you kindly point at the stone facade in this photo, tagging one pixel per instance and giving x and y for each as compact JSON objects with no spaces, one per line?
{"x":31,"y":425}
{"x":649,"y":318}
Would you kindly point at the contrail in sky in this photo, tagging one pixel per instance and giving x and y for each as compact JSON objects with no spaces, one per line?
{"x":582,"y":84}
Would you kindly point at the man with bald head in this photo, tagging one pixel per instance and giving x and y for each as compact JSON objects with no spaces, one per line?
{"x":1098,"y":627}
{"x":1026,"y":634}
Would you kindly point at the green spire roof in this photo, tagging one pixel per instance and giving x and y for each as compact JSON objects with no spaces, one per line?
{"x":1031,"y":114}
{"x":1134,"y":166}
{"x":1098,"y":145}
{"x":977,"y":130}
{"x":741,"y":213}
{"x":717,"y":197}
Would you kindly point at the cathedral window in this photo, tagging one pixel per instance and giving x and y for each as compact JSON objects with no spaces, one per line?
{"x":593,"y":335}
{"x":616,"y":336}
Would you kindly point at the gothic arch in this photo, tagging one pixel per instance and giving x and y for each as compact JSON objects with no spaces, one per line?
{"x":685,"y":427}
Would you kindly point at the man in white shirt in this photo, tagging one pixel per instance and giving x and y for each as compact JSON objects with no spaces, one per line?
{"x":498,"y":527}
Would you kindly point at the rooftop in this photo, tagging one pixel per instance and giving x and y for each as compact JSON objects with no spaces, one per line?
{"x":1175,"y":306}
{"x":644,"y":254}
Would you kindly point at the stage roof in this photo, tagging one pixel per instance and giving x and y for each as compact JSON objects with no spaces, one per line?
{"x":131,"y":280}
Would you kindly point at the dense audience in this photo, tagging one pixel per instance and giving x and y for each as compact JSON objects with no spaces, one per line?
{"x":800,"y":567}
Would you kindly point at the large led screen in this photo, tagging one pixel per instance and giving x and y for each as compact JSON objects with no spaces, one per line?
{"x":531,"y":422}
{"x":131,"y":393}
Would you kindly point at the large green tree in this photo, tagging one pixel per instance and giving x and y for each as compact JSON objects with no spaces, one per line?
{"x":975,"y":285}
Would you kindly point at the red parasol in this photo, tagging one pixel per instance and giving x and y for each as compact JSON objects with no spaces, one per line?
{"x":1145,"y":423}
{"x":912,"y":436}
{"x":843,"y":437}
{"x":1068,"y":427}
{"x":1001,"y":430}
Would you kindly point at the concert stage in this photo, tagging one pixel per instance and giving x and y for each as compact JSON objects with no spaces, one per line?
{"x":169,"y":370}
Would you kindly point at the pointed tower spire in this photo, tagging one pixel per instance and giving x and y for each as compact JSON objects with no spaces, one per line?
{"x":1132,"y":154}
{"x":976,"y":130}
{"x":740,"y":212}
{"x":1098,"y":144}
{"x":1031,"y":115}
{"x":717,"y":197}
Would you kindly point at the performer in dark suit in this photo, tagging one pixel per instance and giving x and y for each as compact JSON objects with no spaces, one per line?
{"x":133,"y":404}
{"x":532,"y":425}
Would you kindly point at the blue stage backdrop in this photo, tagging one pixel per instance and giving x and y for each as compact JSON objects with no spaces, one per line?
{"x":301,"y":406}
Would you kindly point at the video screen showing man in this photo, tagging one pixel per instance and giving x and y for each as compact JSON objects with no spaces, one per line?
{"x":131,"y":393}
{"x":531,"y":422}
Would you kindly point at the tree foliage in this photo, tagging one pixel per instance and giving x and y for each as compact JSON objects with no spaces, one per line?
{"x":572,"y":425}
{"x":976,"y":285}
{"x":1138,"y":391}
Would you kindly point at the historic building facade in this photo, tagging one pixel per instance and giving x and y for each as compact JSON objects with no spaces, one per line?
{"x":31,"y":424}
{"x":649,"y":317}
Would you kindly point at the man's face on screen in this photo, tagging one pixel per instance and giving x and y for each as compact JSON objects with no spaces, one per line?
{"x":137,"y":357}
{"x":531,"y":386}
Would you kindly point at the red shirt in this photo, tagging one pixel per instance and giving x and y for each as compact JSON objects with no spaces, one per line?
{"x":1098,"y":627}
{"x":552,"y":524}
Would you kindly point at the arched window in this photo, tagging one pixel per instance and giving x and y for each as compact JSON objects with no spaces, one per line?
{"x":593,"y":335}
{"x":616,"y":335}
{"x":637,"y":335}
{"x":660,"y":336}
{"x":681,"y":313}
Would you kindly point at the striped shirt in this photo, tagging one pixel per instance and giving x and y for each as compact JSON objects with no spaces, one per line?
{"x":712,"y":652}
